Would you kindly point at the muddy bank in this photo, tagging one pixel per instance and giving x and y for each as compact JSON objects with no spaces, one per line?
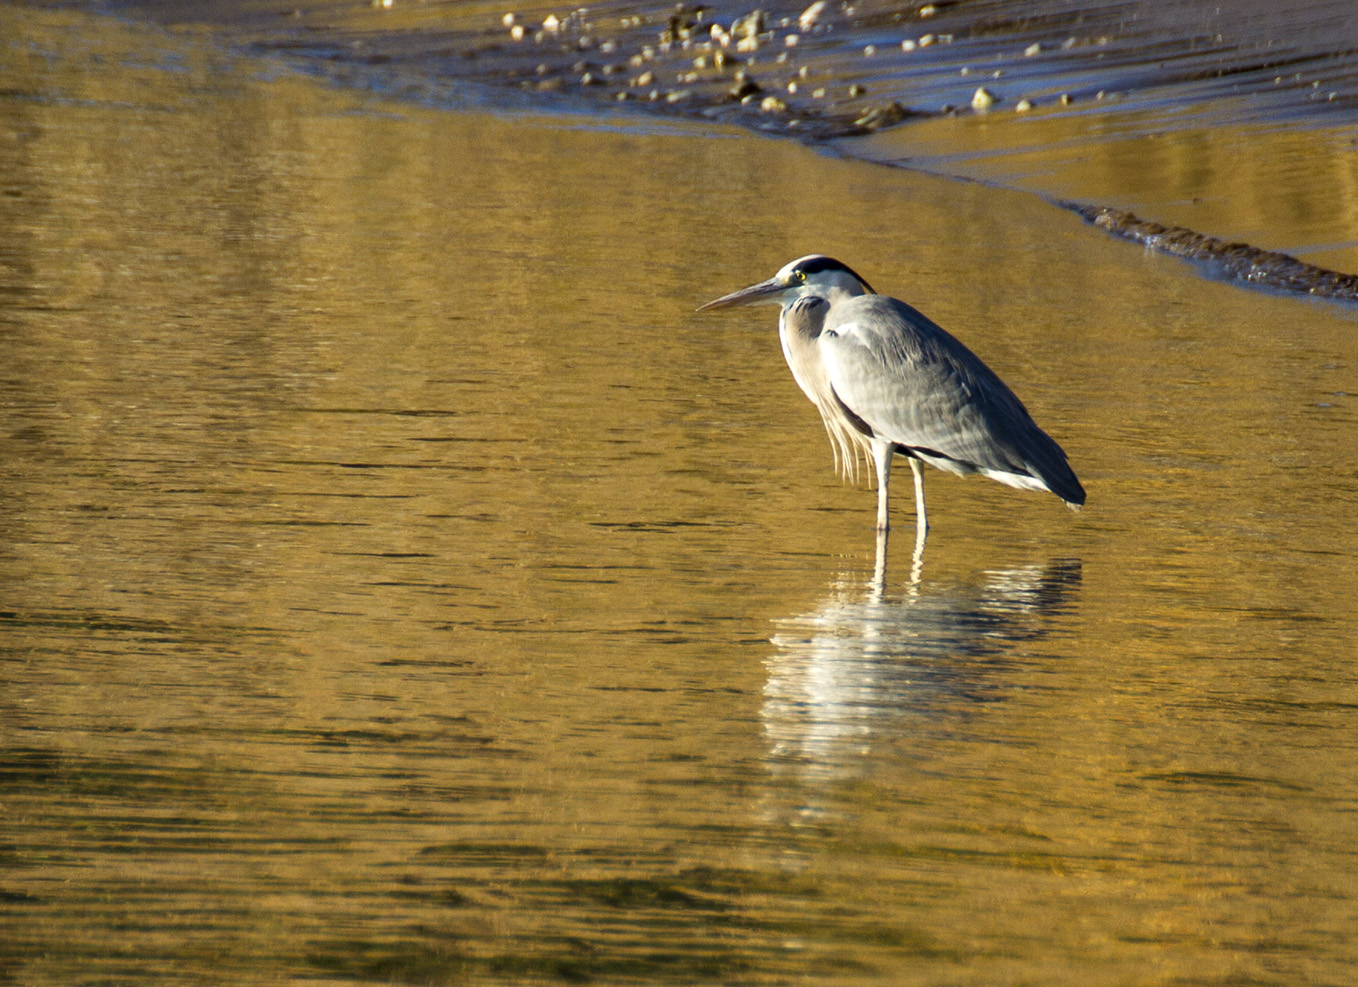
{"x":831,"y":71}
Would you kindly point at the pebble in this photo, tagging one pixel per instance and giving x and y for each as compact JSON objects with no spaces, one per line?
{"x":811,"y":16}
{"x":1023,"y":106}
{"x":908,"y":44}
{"x":856,"y":90}
{"x":516,"y":32}
{"x":744,"y":86}
{"x":508,"y":20}
{"x":882,"y":116}
{"x":1033,"y":49}
{"x":551,"y":23}
{"x":869,"y":51}
{"x":749,"y":26}
{"x":983,"y":99}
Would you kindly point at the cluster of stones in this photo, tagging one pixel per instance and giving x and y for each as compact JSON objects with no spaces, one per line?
{"x":702,"y":65}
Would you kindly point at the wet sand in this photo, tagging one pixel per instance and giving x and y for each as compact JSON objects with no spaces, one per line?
{"x":831,"y":73}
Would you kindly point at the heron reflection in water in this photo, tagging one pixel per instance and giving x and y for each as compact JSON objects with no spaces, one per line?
{"x":861,"y":669}
{"x":887,"y":381}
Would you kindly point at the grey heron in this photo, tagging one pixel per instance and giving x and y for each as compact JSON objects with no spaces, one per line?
{"x":887,"y":381}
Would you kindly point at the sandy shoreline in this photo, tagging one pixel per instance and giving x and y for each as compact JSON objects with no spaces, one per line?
{"x":831,"y":71}
{"x":831,"y":65}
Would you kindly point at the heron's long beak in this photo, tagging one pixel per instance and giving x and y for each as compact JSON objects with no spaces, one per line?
{"x":764,"y":291}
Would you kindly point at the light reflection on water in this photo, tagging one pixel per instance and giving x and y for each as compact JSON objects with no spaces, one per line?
{"x":402,"y":584}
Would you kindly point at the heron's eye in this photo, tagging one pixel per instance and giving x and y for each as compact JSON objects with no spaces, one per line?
{"x":800,"y":276}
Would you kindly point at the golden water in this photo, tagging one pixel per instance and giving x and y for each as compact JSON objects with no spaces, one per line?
{"x":402,"y":584}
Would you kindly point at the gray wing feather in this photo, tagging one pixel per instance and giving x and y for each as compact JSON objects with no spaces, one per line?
{"x":917,"y":386}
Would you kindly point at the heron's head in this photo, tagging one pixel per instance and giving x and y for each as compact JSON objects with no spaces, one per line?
{"x":811,"y":275}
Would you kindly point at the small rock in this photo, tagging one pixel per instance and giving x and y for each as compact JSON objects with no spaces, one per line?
{"x":983,"y":99}
{"x":882,"y":116}
{"x":551,"y":23}
{"x":908,"y":44}
{"x":678,"y":96}
{"x":927,"y":40}
{"x":749,"y":26}
{"x":1023,"y":106}
{"x":856,"y":90}
{"x":928,"y":10}
{"x":869,"y":51}
{"x":1033,"y":49}
{"x":1066,"y":99}
{"x":811,"y":16}
{"x":772,"y":104}
{"x":508,"y":20}
{"x":516,"y":32}
{"x":743,"y":86}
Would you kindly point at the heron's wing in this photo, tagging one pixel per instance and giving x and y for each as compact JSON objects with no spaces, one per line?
{"x":919,"y":387}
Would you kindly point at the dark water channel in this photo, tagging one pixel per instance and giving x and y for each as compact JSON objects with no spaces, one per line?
{"x":399,"y":583}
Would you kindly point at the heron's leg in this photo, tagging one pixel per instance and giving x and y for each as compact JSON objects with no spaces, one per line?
{"x":921,"y":515}
{"x":881,"y":454}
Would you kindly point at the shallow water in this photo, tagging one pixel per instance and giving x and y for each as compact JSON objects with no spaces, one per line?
{"x":403,"y":584}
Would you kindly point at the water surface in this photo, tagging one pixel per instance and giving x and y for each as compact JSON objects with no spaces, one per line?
{"x":402,"y":584}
